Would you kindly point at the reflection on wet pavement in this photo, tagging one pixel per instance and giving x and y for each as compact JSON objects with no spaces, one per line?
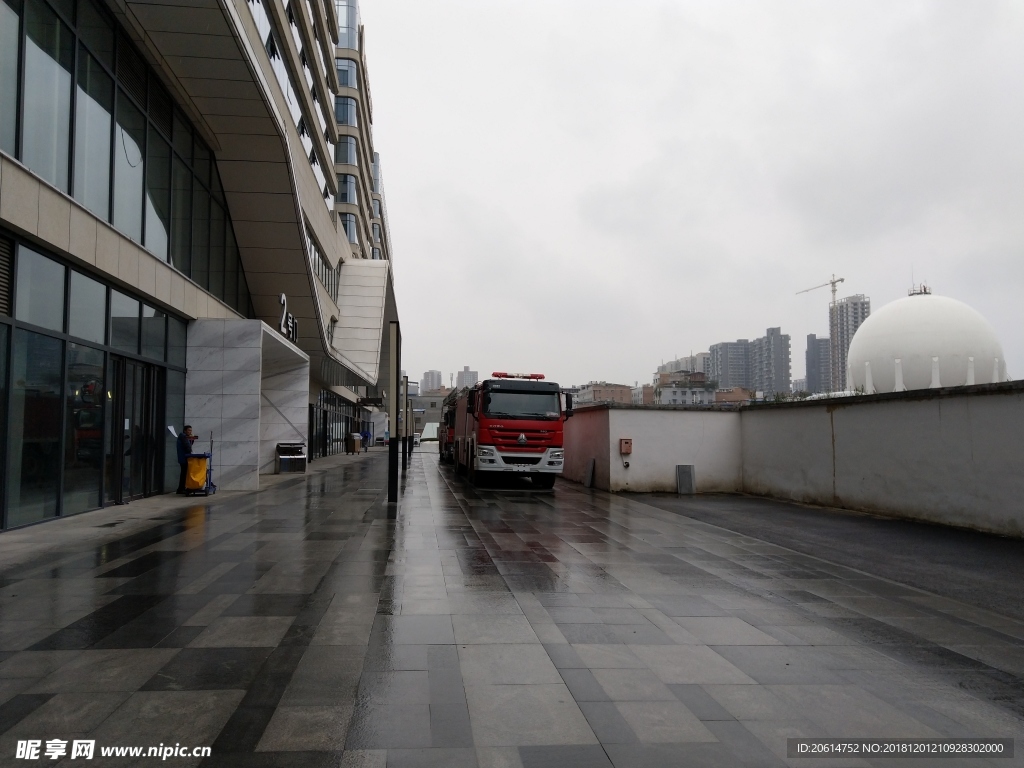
{"x":300,"y":626}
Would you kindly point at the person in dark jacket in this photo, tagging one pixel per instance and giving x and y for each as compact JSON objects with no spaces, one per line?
{"x":184,"y":449}
{"x":366,"y":440}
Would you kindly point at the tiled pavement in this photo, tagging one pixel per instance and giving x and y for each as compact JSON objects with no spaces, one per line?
{"x":301,"y":627}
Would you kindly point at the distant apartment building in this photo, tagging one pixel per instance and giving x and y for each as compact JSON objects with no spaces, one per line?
{"x":643,"y":395}
{"x":699,"y":363}
{"x":845,"y":317}
{"x":684,"y":394}
{"x":431,"y":381}
{"x":729,"y":364}
{"x":770,"y":363}
{"x":466,"y":378}
{"x":819,"y":365}
{"x":603,"y":392}
{"x":799,"y":385}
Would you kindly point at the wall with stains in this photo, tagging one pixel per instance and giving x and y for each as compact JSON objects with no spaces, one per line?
{"x":951,"y":456}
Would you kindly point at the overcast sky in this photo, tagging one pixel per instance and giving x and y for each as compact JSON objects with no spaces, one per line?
{"x":586,"y":188}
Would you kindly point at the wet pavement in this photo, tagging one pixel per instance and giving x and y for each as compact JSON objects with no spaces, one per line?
{"x":299,"y":626}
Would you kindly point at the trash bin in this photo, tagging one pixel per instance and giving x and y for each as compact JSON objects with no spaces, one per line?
{"x":353,"y":443}
{"x":290,"y":457}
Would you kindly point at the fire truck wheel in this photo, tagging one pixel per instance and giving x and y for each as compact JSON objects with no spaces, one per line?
{"x":543,"y":480}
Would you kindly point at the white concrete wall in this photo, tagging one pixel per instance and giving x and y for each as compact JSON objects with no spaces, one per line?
{"x":953,"y":459}
{"x":222,"y":397}
{"x":662,"y":439}
{"x":586,"y":438}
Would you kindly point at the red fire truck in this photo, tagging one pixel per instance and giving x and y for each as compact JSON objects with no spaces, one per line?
{"x":511,"y":423}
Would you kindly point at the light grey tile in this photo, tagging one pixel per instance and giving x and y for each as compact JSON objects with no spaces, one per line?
{"x":526,"y":663}
{"x":526,"y":715}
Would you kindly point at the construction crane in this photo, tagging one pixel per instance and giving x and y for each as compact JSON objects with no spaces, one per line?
{"x":833,"y":282}
{"x":833,"y":333}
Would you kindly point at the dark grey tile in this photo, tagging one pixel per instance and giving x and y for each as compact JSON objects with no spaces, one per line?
{"x":583,"y":685}
{"x":690,"y":755}
{"x":432,"y":758}
{"x":569,"y":756}
{"x":607,"y":722}
{"x":450,"y":725}
{"x":700,"y":702}
{"x":564,"y":656}
{"x":205,"y":669}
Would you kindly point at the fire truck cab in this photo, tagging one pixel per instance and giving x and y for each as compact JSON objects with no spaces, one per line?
{"x":511,"y":423}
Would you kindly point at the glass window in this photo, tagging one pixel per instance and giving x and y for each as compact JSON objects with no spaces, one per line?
{"x":376,"y":233}
{"x":348,"y":221}
{"x":231,"y":267}
{"x":154,"y":331}
{"x":160,"y":109}
{"x":345,"y":151}
{"x":182,"y":138}
{"x":376,"y":254}
{"x":348,"y":23}
{"x":39,"y":296}
{"x":181,"y":217}
{"x":376,"y":208}
{"x":124,"y":322}
{"x":200,"y":235}
{"x":129,"y":143}
{"x":174,"y":413}
{"x":176,"y":340}
{"x":216,"y":250}
{"x":10,"y":28}
{"x":345,"y":110}
{"x":348,"y":73}
{"x":347,"y":189}
{"x":201,"y":161}
{"x":33,"y":444}
{"x":94,"y":107}
{"x":83,"y":429}
{"x":158,"y":195}
{"x":96,"y":32}
{"x":46,"y":119}
{"x":4,"y":337}
{"x":87,"y":308}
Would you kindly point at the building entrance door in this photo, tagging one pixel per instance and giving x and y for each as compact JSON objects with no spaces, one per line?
{"x":136,"y":438}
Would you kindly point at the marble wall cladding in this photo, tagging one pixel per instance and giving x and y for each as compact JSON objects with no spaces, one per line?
{"x":284,"y":403}
{"x":222,"y":397}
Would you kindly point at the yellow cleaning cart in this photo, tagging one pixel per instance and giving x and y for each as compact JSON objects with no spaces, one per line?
{"x":199,"y":475}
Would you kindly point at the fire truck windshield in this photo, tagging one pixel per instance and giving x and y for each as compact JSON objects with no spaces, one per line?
{"x":522,"y":405}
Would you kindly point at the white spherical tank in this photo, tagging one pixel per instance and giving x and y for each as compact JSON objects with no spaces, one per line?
{"x":924,"y":341}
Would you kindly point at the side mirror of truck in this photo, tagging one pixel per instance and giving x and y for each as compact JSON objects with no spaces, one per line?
{"x":471,"y":401}
{"x":568,"y":406}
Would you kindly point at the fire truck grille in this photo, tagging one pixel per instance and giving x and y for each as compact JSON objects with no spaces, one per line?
{"x":535,"y":440}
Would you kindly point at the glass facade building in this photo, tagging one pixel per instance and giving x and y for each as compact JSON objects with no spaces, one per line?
{"x":88,"y":376}
{"x":80,"y":108}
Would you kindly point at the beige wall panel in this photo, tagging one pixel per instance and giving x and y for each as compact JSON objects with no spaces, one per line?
{"x":261,"y":206}
{"x":19,"y":198}
{"x":54,"y":217}
{"x":283,"y":261}
{"x":82,"y":235}
{"x":204,"y":87}
{"x":234,"y":106}
{"x":128,"y":261}
{"x":162,"y":282}
{"x":172,"y":17}
{"x":191,"y":302}
{"x":147,"y":274}
{"x":178,"y":292}
{"x":221,"y":124}
{"x":213,"y":69}
{"x":245,"y":146}
{"x":207,"y":46}
{"x":108,"y":244}
{"x":268,"y":234}
{"x":253,"y":177}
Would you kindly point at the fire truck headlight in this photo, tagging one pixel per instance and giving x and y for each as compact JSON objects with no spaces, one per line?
{"x":483,"y":450}
{"x":557,"y":453}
